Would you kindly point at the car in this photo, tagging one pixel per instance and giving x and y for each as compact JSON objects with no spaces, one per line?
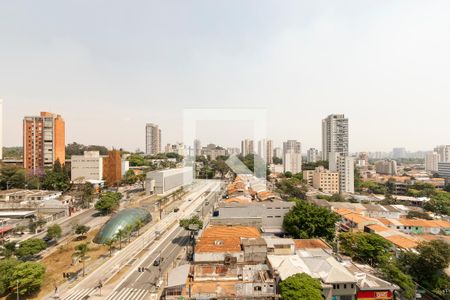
{"x":176,"y":210}
{"x":157,"y":262}
{"x":189,"y":199}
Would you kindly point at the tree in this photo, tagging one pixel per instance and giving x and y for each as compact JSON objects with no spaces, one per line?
{"x":428,"y":264}
{"x":392,"y":273}
{"x":439,"y":203}
{"x":306,"y":220}
{"x":277,"y":160}
{"x":364,"y":247}
{"x":110,"y":243}
{"x":7,"y":267}
{"x":288,"y":174}
{"x":12,"y":177}
{"x":54,"y":180}
{"x":54,"y":231}
{"x":130,"y":177}
{"x":108,"y":202}
{"x":337,"y":198}
{"x":81,"y":230}
{"x":195,"y":220}
{"x":136,"y":160}
{"x":128,"y":231}
{"x":30,"y":247}
{"x":447,"y":187}
{"x":8,"y":250}
{"x":138,"y":225}
{"x":292,"y":187}
{"x":30,"y":276}
{"x":417,"y":214}
{"x":120,"y":234}
{"x":80,"y":252}
{"x":301,"y":287}
{"x":88,"y":194}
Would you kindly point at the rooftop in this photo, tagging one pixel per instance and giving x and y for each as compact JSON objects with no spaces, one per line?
{"x":224,"y":238}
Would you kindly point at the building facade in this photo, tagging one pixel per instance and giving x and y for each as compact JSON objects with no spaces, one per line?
{"x":344,"y":165}
{"x":43,"y":141}
{"x":326,"y":181}
{"x":152,"y":139}
{"x":334,"y":135}
{"x":166,"y":181}
{"x":386,"y":167}
{"x":86,"y":167}
{"x":112,"y":168}
{"x":247,"y":147}
{"x":444,"y":153}
{"x":312,"y":155}
{"x":444,"y":169}
{"x":292,"y":156}
{"x":431,"y":162}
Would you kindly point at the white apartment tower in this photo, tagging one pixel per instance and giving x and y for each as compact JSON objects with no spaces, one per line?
{"x":334,"y":135}
{"x":444,"y":153}
{"x":1,"y":129}
{"x":265,"y":150}
{"x":292,"y":156}
{"x":152,"y":139}
{"x":431,"y":162}
{"x":344,"y":165}
{"x":247,"y":147}
{"x":312,"y":155}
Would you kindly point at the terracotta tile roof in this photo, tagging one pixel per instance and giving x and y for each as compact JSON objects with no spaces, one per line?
{"x":384,"y":221}
{"x":224,"y":238}
{"x":311,"y":243}
{"x":378,"y":228}
{"x":237,"y":200}
{"x":219,"y":288}
{"x":402,"y":241}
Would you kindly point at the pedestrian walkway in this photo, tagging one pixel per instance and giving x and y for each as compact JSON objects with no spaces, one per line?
{"x":128,"y":293}
{"x":81,"y":294}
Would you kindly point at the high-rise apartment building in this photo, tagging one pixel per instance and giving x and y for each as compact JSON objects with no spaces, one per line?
{"x":399,"y":153}
{"x":444,"y":153}
{"x":43,"y":141}
{"x":444,"y":169}
{"x":431,"y":162}
{"x":345,"y":166}
{"x":312,"y":155}
{"x":152,"y":139}
{"x":265,"y":150}
{"x":247,"y":147}
{"x":386,"y":167}
{"x":278,"y":152}
{"x":325,"y":180}
{"x":292,"y":156}
{"x":197,"y":147}
{"x":334,"y":135}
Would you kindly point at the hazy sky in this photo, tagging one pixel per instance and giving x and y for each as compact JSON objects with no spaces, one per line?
{"x":111,"y":66}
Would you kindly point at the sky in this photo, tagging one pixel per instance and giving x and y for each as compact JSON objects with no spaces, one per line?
{"x":109,"y":67}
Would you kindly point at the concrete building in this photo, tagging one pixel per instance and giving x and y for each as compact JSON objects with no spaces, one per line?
{"x":399,"y":153}
{"x":431,"y":162}
{"x":444,"y":169}
{"x":213,"y":151}
{"x":344,"y":165}
{"x":386,"y":167}
{"x":334,"y":135}
{"x":312,"y":155}
{"x":197,"y":147}
{"x":43,"y":141}
{"x":292,"y":156}
{"x":166,"y":181}
{"x":278,"y":152}
{"x":247,"y":147}
{"x":265,"y":150}
{"x":152,"y":139}
{"x":326,"y":181}
{"x":86,"y":167}
{"x":112,"y":168}
{"x":444,"y":153}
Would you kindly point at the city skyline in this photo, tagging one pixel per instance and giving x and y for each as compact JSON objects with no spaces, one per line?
{"x":300,"y":60}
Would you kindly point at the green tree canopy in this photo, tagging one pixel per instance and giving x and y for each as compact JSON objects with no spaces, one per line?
{"x":392,"y":273}
{"x":56,"y":180}
{"x":54,"y":231}
{"x":439,"y":203}
{"x":7,"y":267}
{"x":136,"y":160}
{"x":365,"y":247}
{"x":81,"y":229}
{"x":130,"y":177}
{"x":30,"y":276}
{"x":306,"y":221}
{"x":195,"y":220}
{"x":301,"y":287}
{"x":30,"y":247}
{"x":108,"y":202}
{"x":292,"y":187}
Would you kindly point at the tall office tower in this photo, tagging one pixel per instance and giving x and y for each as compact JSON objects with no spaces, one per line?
{"x":265,"y":150}
{"x":277,"y":152}
{"x":247,"y":147}
{"x":197,"y":147}
{"x":1,"y":129}
{"x":345,"y":166}
{"x":152,"y":139}
{"x":431,"y":162}
{"x":292,"y":156}
{"x":444,"y":153}
{"x":43,"y":141}
{"x":334,"y":135}
{"x":312,"y":155}
{"x":399,"y":153}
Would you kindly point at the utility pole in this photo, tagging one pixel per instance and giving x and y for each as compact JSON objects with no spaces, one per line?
{"x":17,"y":289}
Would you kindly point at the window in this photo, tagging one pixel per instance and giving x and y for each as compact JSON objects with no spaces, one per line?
{"x":257,"y":289}
{"x":345,"y":286}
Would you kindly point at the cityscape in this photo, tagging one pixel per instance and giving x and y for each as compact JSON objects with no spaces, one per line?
{"x":332,"y":185}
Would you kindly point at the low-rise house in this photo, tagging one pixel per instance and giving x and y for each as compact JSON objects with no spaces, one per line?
{"x":279,"y":246}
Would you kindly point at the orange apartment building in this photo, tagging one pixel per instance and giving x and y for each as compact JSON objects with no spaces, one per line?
{"x":112,"y":168}
{"x":43,"y":141}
